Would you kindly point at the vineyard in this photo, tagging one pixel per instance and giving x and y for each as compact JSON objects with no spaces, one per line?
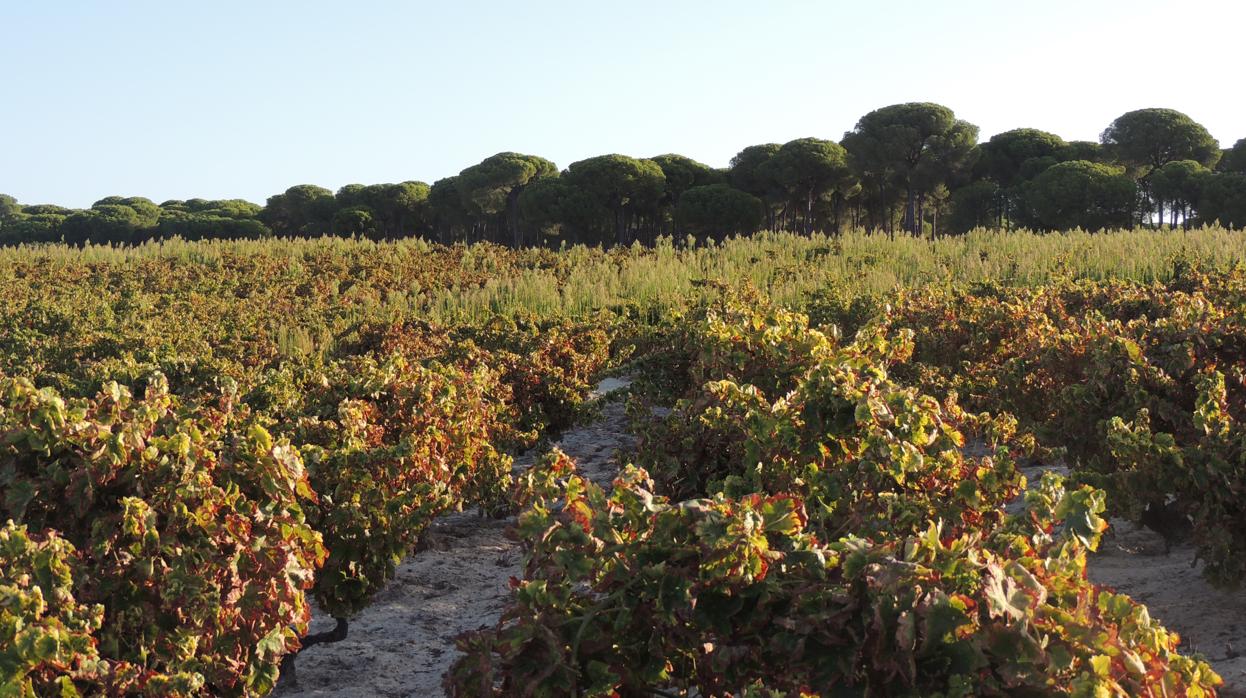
{"x":855,"y":465}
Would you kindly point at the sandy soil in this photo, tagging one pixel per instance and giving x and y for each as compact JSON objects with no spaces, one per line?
{"x":1132,"y":560}
{"x":403,"y":643}
{"x":1211,"y":622}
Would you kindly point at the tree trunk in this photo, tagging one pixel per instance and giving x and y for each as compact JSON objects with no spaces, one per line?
{"x":920,"y":227}
{"x":619,"y":233}
{"x":910,"y":210}
{"x":808,"y":211}
{"x":512,"y":216}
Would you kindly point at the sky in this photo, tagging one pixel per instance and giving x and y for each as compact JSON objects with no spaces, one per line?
{"x":242,"y":99}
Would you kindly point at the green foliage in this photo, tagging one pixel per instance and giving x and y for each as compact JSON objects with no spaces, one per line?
{"x":32,"y":228}
{"x":1234,"y":159}
{"x":389,"y":446}
{"x":625,"y":186}
{"x":487,"y":186}
{"x":46,"y":636}
{"x":225,"y":208}
{"x":1179,"y":183}
{"x":1147,"y":139}
{"x":1006,"y":157}
{"x":807,"y":170}
{"x":975,"y":205}
{"x":356,"y":220}
{"x":204,"y":227}
{"x":552,"y":208}
{"x":630,"y":592}
{"x":189,"y":529}
{"x":381,"y":210}
{"x":748,"y":172}
{"x":916,"y":147}
{"x":792,"y":412}
{"x":717,"y":210}
{"x":304,"y":210}
{"x":448,"y":211}
{"x":1223,"y":199}
{"x":110,"y":223}
{"x":1083,"y":150}
{"x":1080,"y":194}
{"x":493,"y":187}
{"x":46,"y":209}
{"x":684,"y":173}
{"x":1009,"y":160}
{"x":906,"y":166}
{"x":9,"y":208}
{"x":1142,"y":386}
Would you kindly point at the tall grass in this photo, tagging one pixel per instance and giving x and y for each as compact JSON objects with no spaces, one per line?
{"x":416,"y":278}
{"x":790,"y":267}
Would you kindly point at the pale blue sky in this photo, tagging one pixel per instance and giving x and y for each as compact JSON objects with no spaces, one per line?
{"x":242,"y":99}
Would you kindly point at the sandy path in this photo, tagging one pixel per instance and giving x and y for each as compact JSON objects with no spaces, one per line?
{"x":1132,"y":561}
{"x":403,"y":643}
{"x":1210,"y":621}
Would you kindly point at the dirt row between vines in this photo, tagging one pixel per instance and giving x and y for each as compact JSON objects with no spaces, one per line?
{"x":403,"y":643}
{"x":1134,"y":561}
{"x":1210,"y":621}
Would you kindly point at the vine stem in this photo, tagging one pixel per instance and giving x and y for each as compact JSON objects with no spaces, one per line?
{"x":337,"y":634}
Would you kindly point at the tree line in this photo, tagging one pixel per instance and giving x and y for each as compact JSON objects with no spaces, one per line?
{"x":909,"y":167}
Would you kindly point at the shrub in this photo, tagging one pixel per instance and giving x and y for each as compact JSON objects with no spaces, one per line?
{"x":188,"y":529}
{"x":46,"y":636}
{"x":389,"y":446}
{"x":1126,"y":379}
{"x":829,"y":426}
{"x":631,"y":593}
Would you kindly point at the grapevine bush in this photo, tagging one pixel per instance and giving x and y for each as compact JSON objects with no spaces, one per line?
{"x":46,"y":636}
{"x":187,"y":531}
{"x":829,"y":425}
{"x":1125,"y":378}
{"x":808,"y":516}
{"x":633,"y":594}
{"x":389,"y":446}
{"x":550,"y":367}
{"x":823,"y":534}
